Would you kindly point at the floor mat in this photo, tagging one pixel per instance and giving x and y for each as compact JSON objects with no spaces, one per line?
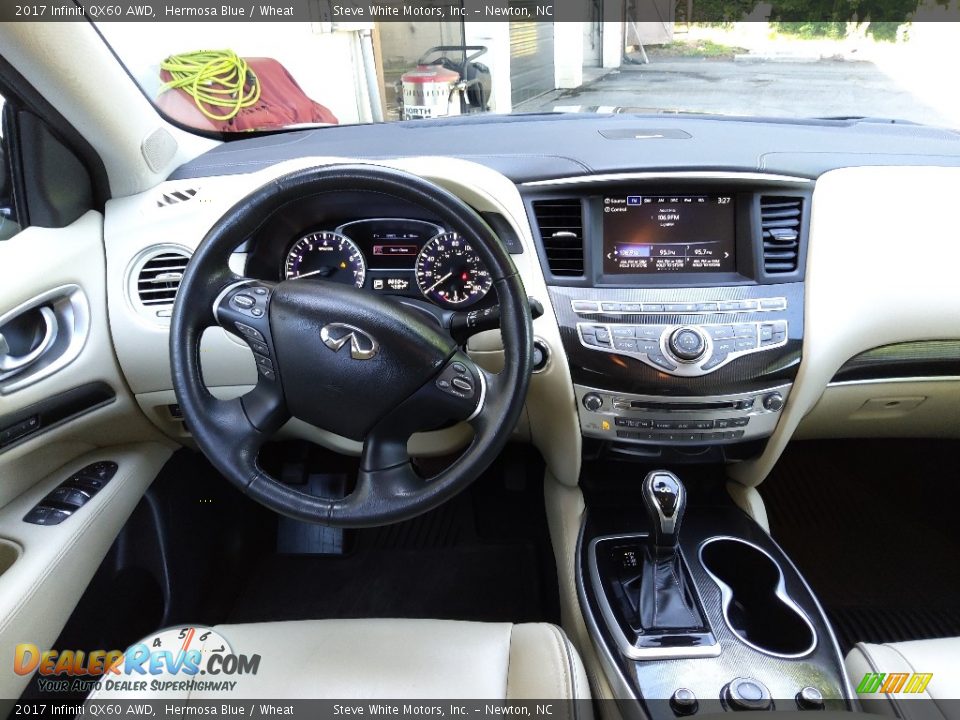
{"x":483,"y":555}
{"x":872,"y":526}
{"x":483,"y":582}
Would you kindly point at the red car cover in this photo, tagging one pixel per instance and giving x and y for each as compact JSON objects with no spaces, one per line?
{"x":282,"y":103}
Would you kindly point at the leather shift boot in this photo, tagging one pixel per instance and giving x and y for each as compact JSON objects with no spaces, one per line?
{"x":666,"y":601}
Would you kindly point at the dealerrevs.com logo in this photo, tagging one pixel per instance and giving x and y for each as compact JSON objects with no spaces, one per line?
{"x":179,"y":659}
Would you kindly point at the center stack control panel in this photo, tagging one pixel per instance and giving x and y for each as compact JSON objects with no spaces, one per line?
{"x":683,"y":349}
{"x":679,"y":298}
{"x":681,"y":366}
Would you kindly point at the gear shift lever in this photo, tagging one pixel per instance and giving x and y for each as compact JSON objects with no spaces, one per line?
{"x":666,"y":599}
{"x":666,"y":500}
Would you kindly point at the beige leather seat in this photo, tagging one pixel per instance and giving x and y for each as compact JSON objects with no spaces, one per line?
{"x":940,"y":657}
{"x":395,"y":659}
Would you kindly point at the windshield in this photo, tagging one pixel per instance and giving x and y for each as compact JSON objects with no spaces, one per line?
{"x":237,"y":77}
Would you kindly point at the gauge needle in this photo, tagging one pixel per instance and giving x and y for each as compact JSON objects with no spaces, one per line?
{"x":445,"y":277}
{"x":314,"y":272}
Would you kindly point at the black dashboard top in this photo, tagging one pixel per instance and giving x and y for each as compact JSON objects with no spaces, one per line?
{"x":530,"y":147}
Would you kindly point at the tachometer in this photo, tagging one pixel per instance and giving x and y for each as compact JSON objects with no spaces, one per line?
{"x":450,"y":272}
{"x":326,"y":255}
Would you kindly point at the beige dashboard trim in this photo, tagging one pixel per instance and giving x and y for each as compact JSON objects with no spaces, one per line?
{"x":862,"y":290}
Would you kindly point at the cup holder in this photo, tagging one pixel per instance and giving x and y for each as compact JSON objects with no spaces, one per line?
{"x":755,"y":602}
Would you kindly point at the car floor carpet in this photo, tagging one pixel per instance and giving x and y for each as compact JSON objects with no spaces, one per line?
{"x":872,"y":526}
{"x":483,"y":555}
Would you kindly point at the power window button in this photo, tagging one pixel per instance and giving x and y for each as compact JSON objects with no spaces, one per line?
{"x":65,"y":495}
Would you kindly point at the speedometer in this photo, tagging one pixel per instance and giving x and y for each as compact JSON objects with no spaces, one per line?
{"x":328,"y":256}
{"x":450,"y":272}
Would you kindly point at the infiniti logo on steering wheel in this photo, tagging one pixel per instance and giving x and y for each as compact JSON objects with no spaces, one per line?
{"x":362,"y":345}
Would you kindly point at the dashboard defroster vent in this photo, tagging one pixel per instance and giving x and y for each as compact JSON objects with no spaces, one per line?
{"x":155,"y":278}
{"x":780,"y":218}
{"x":175,"y":197}
{"x":561,"y":228}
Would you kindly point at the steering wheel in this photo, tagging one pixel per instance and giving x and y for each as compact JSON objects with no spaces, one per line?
{"x":364,"y":366}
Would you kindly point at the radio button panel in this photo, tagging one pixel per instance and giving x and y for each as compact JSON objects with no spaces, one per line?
{"x":697,"y":420}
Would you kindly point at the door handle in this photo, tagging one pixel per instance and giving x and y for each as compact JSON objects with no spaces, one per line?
{"x":10,"y":364}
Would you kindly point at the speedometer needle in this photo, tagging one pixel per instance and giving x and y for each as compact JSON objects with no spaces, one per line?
{"x":444,"y":278}
{"x":314,"y":272}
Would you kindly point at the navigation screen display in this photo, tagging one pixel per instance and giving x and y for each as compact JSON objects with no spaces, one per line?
{"x":668,"y":234}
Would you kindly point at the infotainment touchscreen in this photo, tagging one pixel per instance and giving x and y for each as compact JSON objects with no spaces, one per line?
{"x":668,"y":234}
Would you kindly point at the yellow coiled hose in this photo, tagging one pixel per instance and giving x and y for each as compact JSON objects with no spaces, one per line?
{"x":218,"y":78}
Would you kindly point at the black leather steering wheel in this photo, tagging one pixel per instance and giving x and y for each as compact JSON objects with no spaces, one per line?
{"x":361,"y":365}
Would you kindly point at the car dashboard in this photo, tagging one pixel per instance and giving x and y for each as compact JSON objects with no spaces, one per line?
{"x":701,"y":302}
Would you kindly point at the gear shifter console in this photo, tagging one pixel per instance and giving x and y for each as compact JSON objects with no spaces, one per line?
{"x":666,"y":500}
{"x":647,"y":595}
{"x":681,"y":581}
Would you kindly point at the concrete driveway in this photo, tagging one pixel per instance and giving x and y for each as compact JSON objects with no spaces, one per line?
{"x":777,"y":87}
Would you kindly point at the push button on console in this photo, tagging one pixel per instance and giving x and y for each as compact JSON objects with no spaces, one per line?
{"x":683,"y":702}
{"x":747,"y":694}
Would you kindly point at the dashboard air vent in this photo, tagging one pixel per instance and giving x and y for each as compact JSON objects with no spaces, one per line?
{"x":561,"y":227}
{"x":780,"y":218}
{"x":176,"y":196}
{"x":155,"y":279}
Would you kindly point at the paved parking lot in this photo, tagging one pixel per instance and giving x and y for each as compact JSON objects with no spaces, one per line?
{"x":822,"y":88}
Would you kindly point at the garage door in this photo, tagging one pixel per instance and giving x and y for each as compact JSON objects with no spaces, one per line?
{"x":531,"y":57}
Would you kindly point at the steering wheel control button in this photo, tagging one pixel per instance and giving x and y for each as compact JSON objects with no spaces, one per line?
{"x":683,"y":702}
{"x":592,"y":402}
{"x":256,"y":312}
{"x":457,"y":380}
{"x":687,"y":344}
{"x":258,"y":347}
{"x":809,"y":698}
{"x":462,"y":384}
{"x":259,"y":291}
{"x":747,"y":694}
{"x":264,"y":362}
{"x":249,"y":332}
{"x":244,"y":301}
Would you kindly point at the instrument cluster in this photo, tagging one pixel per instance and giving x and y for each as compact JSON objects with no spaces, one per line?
{"x":394,"y":256}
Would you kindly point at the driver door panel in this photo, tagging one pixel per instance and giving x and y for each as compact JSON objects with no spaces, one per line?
{"x":63,"y":403}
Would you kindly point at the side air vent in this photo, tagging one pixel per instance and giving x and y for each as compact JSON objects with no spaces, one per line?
{"x":155,"y":278}
{"x":780,"y":218}
{"x":176,"y":196}
{"x":561,"y":227}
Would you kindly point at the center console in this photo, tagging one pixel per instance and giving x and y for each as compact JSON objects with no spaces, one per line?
{"x":680,"y":306}
{"x":693,"y":608}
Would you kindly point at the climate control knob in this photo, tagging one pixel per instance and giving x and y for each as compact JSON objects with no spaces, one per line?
{"x":592,"y":402}
{"x":687,"y":344}
{"x":773,"y":402}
